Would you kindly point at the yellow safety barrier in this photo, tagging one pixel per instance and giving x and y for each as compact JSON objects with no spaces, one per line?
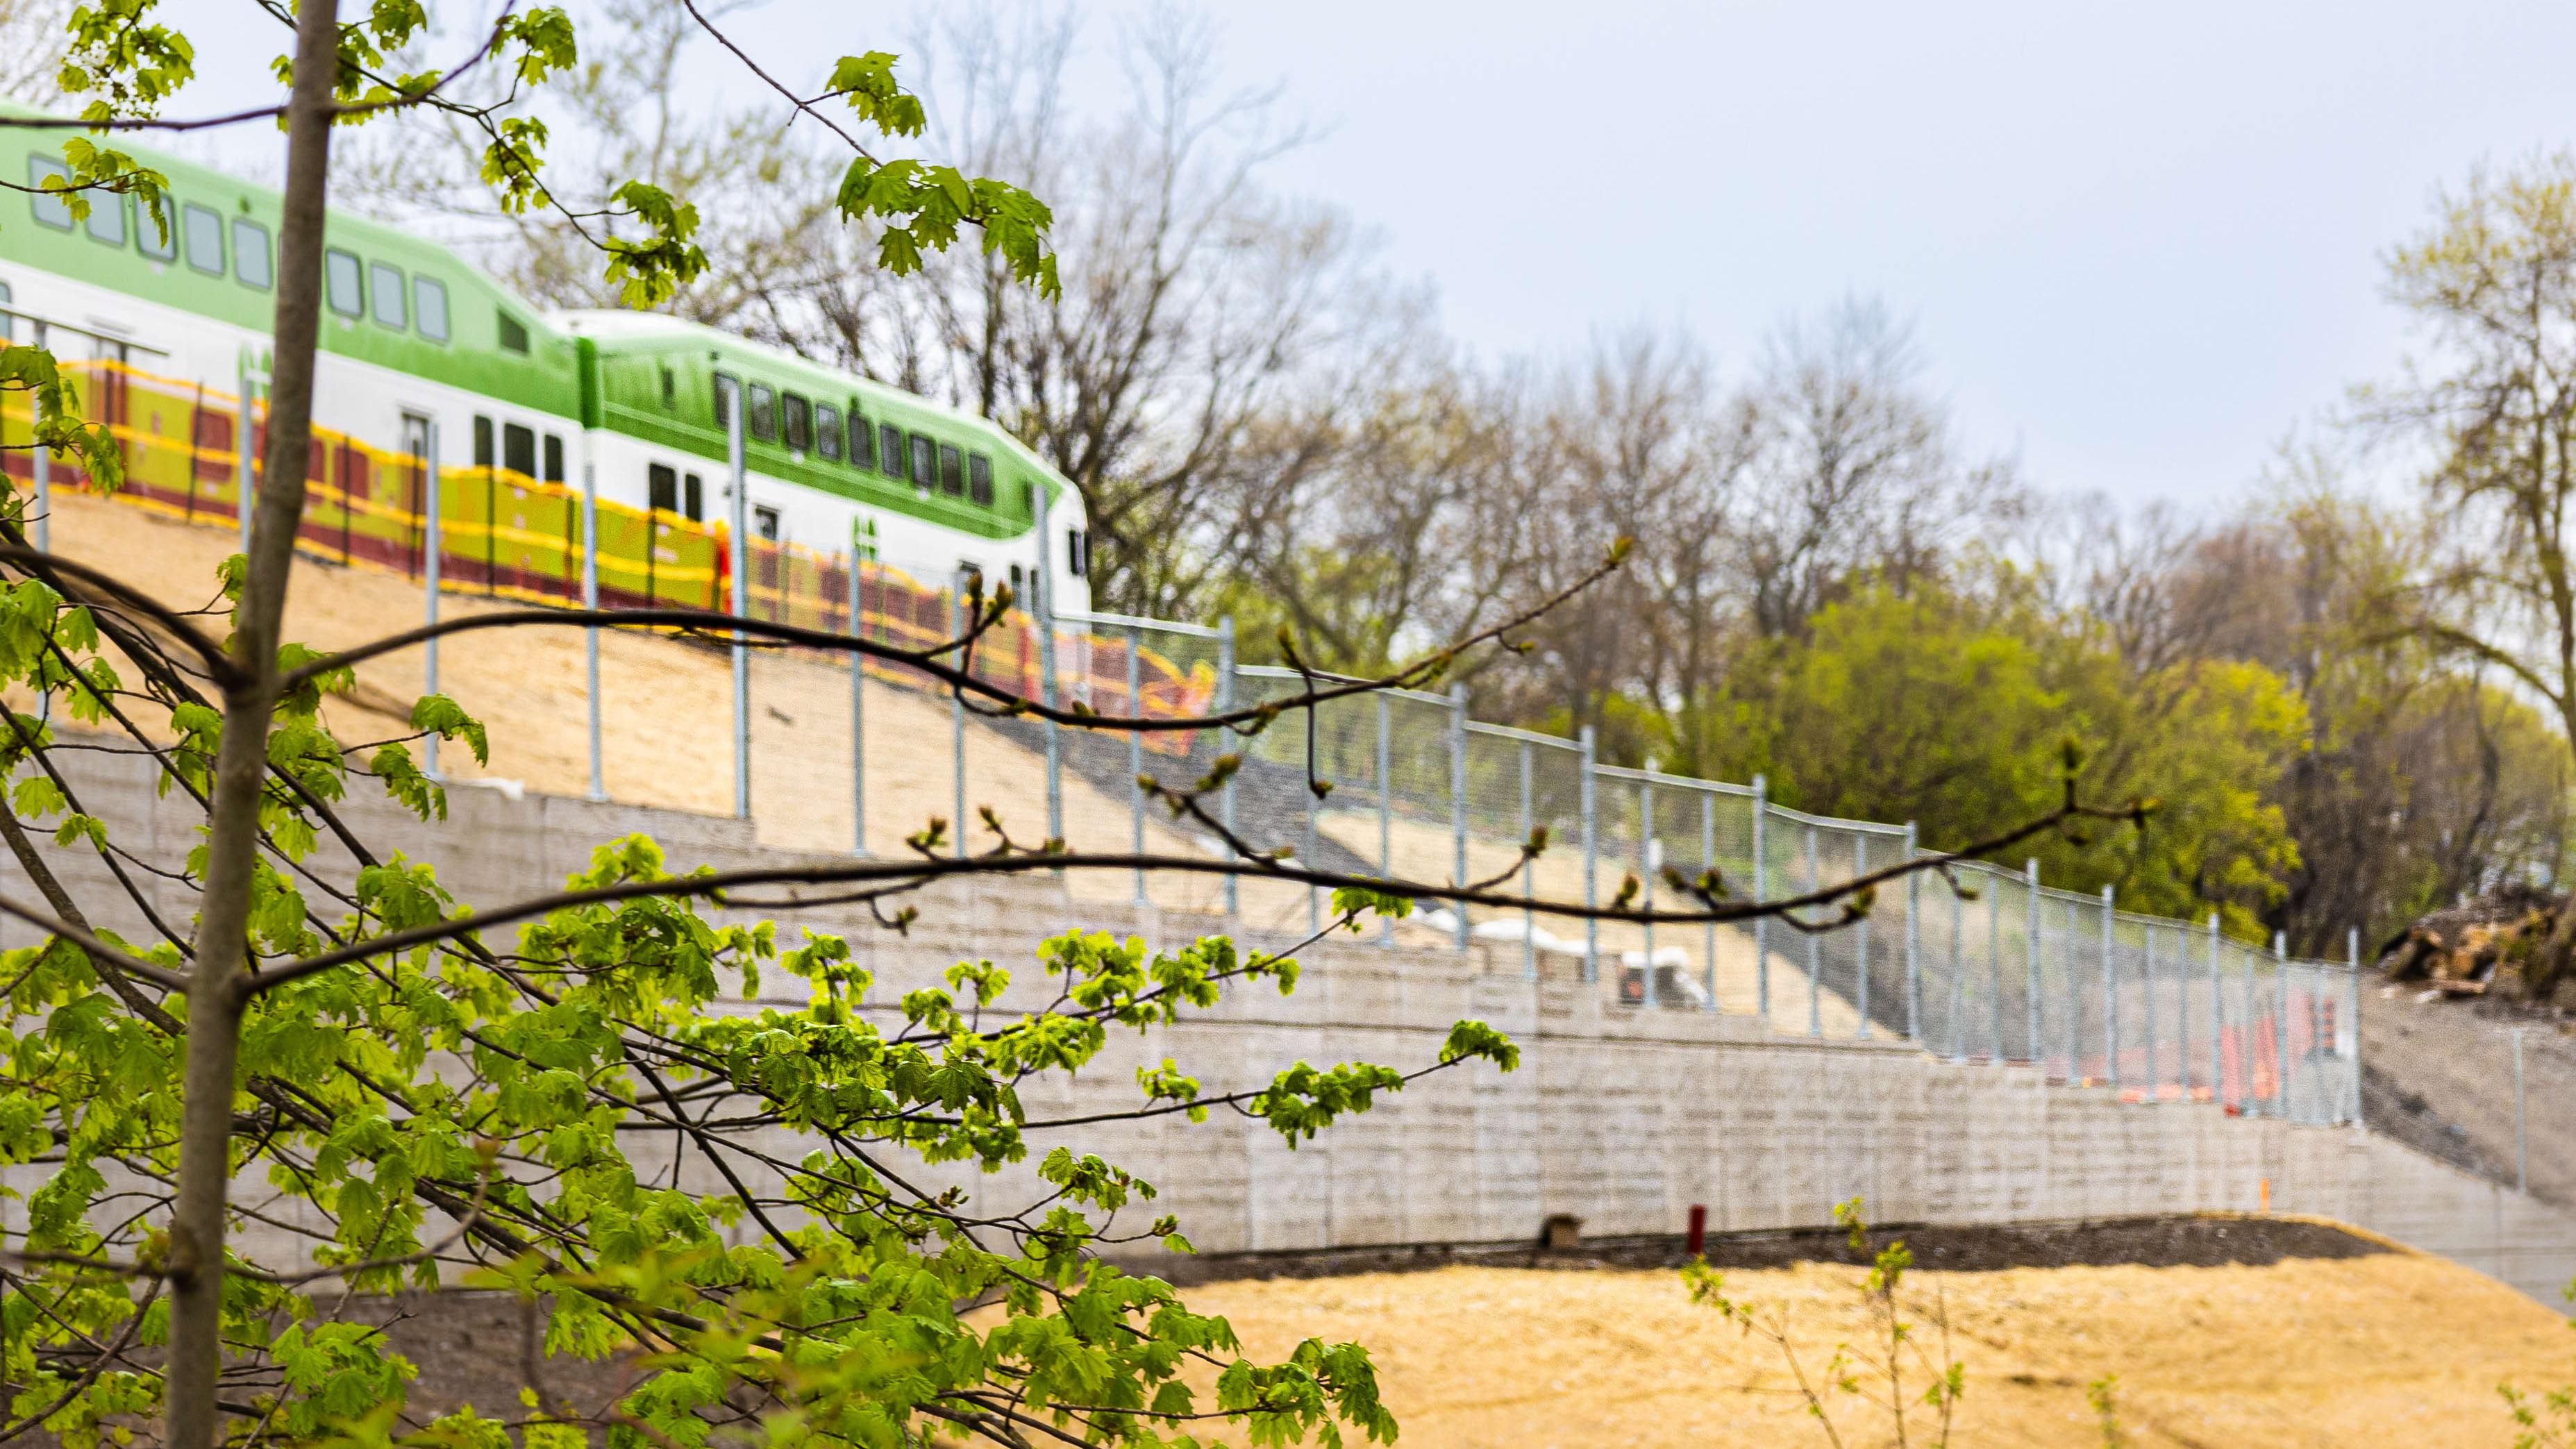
{"x":507,"y":535}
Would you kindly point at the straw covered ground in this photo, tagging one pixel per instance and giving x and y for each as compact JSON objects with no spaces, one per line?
{"x":2393,"y":1348}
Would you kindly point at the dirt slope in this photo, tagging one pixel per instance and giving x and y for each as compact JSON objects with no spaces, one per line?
{"x":2440,"y":1078}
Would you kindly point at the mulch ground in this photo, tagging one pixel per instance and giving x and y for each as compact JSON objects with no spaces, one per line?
{"x":2153,"y":1242}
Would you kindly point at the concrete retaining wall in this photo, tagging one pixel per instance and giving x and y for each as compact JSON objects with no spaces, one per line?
{"x":1621,"y":1117}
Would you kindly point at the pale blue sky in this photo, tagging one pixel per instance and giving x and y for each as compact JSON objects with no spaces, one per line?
{"x":2140,"y":244}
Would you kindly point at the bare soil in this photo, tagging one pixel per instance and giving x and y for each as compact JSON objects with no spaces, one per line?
{"x":2438,"y":1075}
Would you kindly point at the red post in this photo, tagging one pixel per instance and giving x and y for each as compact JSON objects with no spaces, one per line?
{"x":1698,"y":1229}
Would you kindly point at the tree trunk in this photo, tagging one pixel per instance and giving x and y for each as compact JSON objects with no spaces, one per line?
{"x":219,"y":983}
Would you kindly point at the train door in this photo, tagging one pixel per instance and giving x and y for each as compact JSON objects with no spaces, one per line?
{"x":111,"y":357}
{"x":415,"y":488}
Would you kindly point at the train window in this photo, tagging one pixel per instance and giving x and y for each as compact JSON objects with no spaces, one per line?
{"x":1077,"y":553}
{"x":890,"y":456}
{"x":514,"y":333}
{"x":952,"y":473}
{"x":661,"y":488}
{"x":827,"y":431}
{"x":670,"y":390}
{"x":798,"y":416}
{"x":693,"y":497}
{"x":863,"y":439}
{"x":342,"y":284}
{"x":979,"y":478}
{"x":726,"y":387}
{"x":1028,"y":498}
{"x":107,"y":219}
{"x":554,"y":459}
{"x":250,"y":253}
{"x":761,"y":414}
{"x":925,"y":463}
{"x":156,"y":236}
{"x":764,"y":523}
{"x":429,"y":307}
{"x":519,"y":449}
{"x":203,"y":229}
{"x":387,"y":285}
{"x":51,"y":210}
{"x":483,"y":442}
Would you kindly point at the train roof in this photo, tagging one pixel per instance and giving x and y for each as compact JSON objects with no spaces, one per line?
{"x":496,"y":342}
{"x":619,"y":332}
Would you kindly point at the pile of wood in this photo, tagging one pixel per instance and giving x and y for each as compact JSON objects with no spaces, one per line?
{"x":2477,"y":945}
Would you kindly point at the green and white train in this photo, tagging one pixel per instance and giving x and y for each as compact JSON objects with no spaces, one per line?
{"x":839,"y":468}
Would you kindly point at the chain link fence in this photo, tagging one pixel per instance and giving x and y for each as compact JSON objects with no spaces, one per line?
{"x":1977,"y":963}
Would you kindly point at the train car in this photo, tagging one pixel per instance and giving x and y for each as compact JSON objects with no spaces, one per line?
{"x":418,"y":344}
{"x":835,"y":462}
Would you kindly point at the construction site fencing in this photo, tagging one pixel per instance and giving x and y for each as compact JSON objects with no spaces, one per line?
{"x":1979,"y":963}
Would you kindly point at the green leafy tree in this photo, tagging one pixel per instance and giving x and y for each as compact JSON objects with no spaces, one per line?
{"x":128,"y":68}
{"x":2493,"y":405}
{"x":1958,"y":712}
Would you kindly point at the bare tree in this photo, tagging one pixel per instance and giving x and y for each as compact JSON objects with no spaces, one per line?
{"x":1200,"y":316}
{"x":1635,"y":442}
{"x":1373,"y":516}
{"x":1859,"y":473}
{"x":2493,"y":411}
{"x":762,"y":187}
{"x":31,"y":50}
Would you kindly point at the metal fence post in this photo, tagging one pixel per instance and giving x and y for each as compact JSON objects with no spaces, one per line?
{"x":2147,"y":986}
{"x":1708,"y":861}
{"x":2182,"y":1011}
{"x":2281,"y":1019}
{"x":858,"y":717}
{"x":1959,"y":977}
{"x":1591,"y":862}
{"x":1136,"y":762}
{"x":957,"y":711}
{"x":590,"y":603}
{"x":2521,"y":1136}
{"x":1913,"y":940}
{"x":2030,"y":964}
{"x":1042,"y":612}
{"x":2217,"y":1020}
{"x":1815,"y":953}
{"x":2246,"y":1101}
{"x":1860,"y":941}
{"x":2073,"y":977}
{"x":244,"y":449}
{"x":1995,"y":966}
{"x":429,"y":576}
{"x":40,"y":469}
{"x":1761,"y":892}
{"x":1458,"y":798}
{"x":1529,"y":881}
{"x":1385,"y":814}
{"x":2352,"y":989}
{"x":2110,"y":995}
{"x":1225,"y":800}
{"x":1647,"y":995}
{"x":737,"y":553}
